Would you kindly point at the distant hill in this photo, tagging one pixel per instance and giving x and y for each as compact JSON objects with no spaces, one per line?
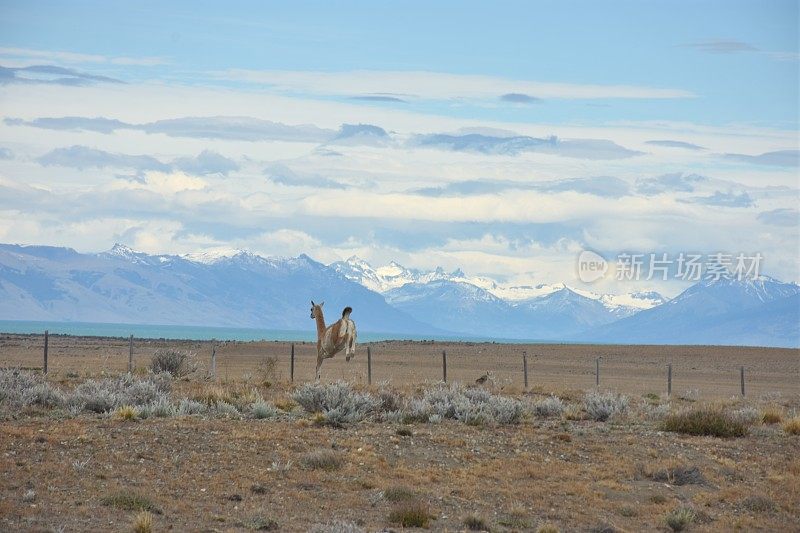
{"x":243,"y":290}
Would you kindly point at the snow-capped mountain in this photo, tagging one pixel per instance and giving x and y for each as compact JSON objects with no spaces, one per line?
{"x":386,"y":278}
{"x":126,"y":286}
{"x":761,"y":311}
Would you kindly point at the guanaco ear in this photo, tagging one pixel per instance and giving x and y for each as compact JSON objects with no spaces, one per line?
{"x":312,"y":303}
{"x":323,"y":303}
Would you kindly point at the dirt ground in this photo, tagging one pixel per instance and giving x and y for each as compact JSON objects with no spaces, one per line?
{"x":211,"y":474}
{"x":710,"y":371}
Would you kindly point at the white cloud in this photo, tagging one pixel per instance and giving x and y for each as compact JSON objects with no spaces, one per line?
{"x":437,"y":85}
{"x":24,"y":56}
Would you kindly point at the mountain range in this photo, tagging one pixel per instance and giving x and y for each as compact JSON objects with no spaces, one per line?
{"x":242,"y":289}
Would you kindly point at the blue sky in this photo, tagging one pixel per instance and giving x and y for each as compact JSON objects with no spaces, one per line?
{"x":632,"y":91}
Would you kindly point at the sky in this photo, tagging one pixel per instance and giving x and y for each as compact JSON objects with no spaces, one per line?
{"x":502,"y":138}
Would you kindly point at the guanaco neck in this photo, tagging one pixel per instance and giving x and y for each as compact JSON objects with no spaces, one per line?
{"x":320,"y":322}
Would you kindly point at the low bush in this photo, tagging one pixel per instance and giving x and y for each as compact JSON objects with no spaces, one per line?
{"x":680,"y":518}
{"x":603,"y":406}
{"x":322,"y":460}
{"x":127,"y":500}
{"x":175,"y":362}
{"x":792,"y":426}
{"x":263,"y":410}
{"x":772,"y":415}
{"x":337,"y":402}
{"x":549,"y":407}
{"x":476,"y":523}
{"x":143,"y":523}
{"x":336,"y":527}
{"x":410,"y":514}
{"x":708,"y":421}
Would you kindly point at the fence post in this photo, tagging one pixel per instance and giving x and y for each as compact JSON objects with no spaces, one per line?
{"x":214,"y":361}
{"x":669,"y":380}
{"x":741,"y":375}
{"x":46,"y":335}
{"x":444,"y":366}
{"x":597,"y":372}
{"x":291,"y":365}
{"x":369,"y":366}
{"x":525,"y":367}
{"x":130,"y":354}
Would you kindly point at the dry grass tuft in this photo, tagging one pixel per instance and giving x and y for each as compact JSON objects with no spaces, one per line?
{"x":261,"y":523}
{"x":772,"y":415}
{"x":399,"y":493}
{"x":759,"y":504}
{"x":547,"y":527}
{"x":126,"y":412}
{"x":127,"y":500}
{"x":709,"y":421}
{"x":143,"y":523}
{"x":411,"y":514}
{"x":792,"y":426}
{"x":404,"y":432}
{"x":476,"y":523}
{"x":322,"y":460}
{"x":680,"y":518}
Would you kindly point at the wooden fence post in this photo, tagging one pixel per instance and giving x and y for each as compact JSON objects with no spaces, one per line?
{"x":291,"y":365}
{"x":369,"y":366}
{"x":669,"y":380}
{"x":444,"y":366}
{"x":597,"y":372}
{"x":130,"y":354}
{"x":741,"y":375}
{"x":213,"y":361}
{"x":525,"y":367}
{"x":46,"y":335}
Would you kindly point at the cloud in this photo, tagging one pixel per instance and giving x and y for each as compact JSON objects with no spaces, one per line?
{"x":609,"y":187}
{"x":787,"y":216}
{"x":722,"y":46}
{"x":780,"y":158}
{"x":722,"y":199}
{"x":519,"y":98}
{"x":6,"y":153}
{"x":207,"y":162}
{"x":669,"y":183}
{"x":71,"y":57}
{"x":435,"y":85}
{"x":676,"y":144}
{"x":379,"y":98}
{"x":82,"y":157}
{"x":225,"y":128}
{"x":50,"y":75}
{"x":597,"y":149}
{"x":283,"y":175}
{"x":361,"y":134}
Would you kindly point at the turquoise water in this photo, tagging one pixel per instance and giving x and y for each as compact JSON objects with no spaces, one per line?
{"x":146,"y":331}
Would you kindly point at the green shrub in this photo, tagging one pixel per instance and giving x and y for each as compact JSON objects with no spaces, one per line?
{"x":708,"y":421}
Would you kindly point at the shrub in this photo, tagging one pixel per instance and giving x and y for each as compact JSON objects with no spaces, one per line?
{"x":792,"y":426}
{"x":176,"y":362}
{"x":108,"y":394}
{"x":96,"y":396}
{"x":338,"y":402}
{"x":225,"y":410}
{"x":705,"y":421}
{"x":552,"y":406}
{"x":130,"y":501}
{"x":262,"y":410}
{"x":505,"y":410}
{"x":476,"y":523}
{"x":190,"y":407}
{"x":143,"y":523}
{"x":336,"y":527}
{"x":261,"y":523}
{"x":759,"y":504}
{"x":410,"y":514}
{"x":602,"y":406}
{"x":747,"y":415}
{"x":399,"y":493}
{"x":322,"y":460}
{"x":680,"y":518}
{"x":772,"y":415}
{"x":547,"y":527}
{"x":679,"y":475}
{"x":404,"y":432}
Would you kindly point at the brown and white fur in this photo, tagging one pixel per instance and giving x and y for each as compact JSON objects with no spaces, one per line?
{"x":332,"y":339}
